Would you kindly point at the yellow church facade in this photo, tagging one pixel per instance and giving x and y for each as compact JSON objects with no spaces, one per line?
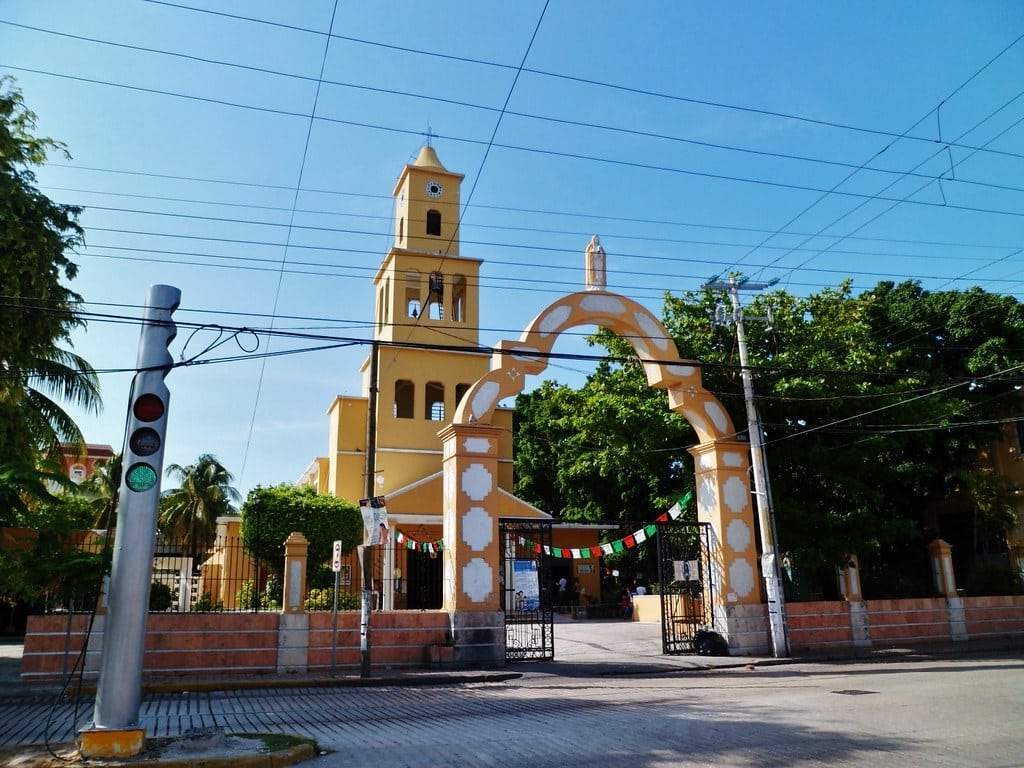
{"x":426,"y":294}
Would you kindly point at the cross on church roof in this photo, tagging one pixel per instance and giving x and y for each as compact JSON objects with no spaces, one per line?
{"x":430,"y":135}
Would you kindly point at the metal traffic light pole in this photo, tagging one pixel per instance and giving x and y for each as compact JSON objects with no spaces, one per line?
{"x":119,"y":691}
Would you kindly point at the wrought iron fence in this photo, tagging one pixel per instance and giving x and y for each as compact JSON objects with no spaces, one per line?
{"x":403,"y":579}
{"x":224,"y":576}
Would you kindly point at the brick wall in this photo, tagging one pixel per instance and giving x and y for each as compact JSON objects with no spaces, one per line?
{"x":399,"y":638}
{"x":207,"y":643}
{"x":994,"y":616}
{"x":818,"y":626}
{"x":238,"y":643}
{"x":908,"y":622}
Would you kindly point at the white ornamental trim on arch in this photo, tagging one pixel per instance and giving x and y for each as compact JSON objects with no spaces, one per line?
{"x":652,"y":330}
{"x":606,"y":305}
{"x":477,"y":579}
{"x":485,"y":397}
{"x":477,"y":482}
{"x":477,"y":529}
{"x":717,"y":414}
{"x":737,"y":533}
{"x":477,"y":445}
{"x":735,"y":494}
{"x":706,"y":495}
{"x":732,"y":459}
{"x":741,"y":577}
{"x":553,"y":320}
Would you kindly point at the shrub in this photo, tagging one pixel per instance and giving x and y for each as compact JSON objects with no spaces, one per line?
{"x":323,"y":600}
{"x":267,"y":599}
{"x":159,"y":597}
{"x":992,"y":579}
{"x":270,"y":514}
{"x":205,"y":604}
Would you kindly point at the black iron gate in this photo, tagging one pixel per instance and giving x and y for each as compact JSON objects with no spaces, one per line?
{"x":686,"y":585}
{"x":526,"y":589}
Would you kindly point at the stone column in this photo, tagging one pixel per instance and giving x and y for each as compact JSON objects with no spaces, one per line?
{"x":296,"y":547}
{"x":942,"y":567}
{"x":471,"y":557}
{"x":849,"y":580}
{"x":293,"y":625}
{"x":850,"y":591}
{"x":724,"y":500}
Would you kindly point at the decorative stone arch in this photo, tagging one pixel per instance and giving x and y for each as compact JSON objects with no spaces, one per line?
{"x":721,"y":463}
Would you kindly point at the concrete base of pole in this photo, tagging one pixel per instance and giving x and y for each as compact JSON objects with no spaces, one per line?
{"x":111,"y":742}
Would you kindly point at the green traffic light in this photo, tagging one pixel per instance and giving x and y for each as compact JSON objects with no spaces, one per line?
{"x":141,"y":477}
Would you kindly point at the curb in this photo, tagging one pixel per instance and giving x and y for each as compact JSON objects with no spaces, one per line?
{"x":284,"y":757}
{"x":36,"y":691}
{"x":201,"y":686}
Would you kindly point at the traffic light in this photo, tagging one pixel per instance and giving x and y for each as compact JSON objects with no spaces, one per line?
{"x":147,"y":421}
{"x":119,"y":691}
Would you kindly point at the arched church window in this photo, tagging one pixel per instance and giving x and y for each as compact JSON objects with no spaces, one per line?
{"x":434,"y":222}
{"x":404,"y":407}
{"x":387,"y":300}
{"x":459,"y":298}
{"x":412,"y":293}
{"x":401,"y":230}
{"x":435,"y":310}
{"x":460,"y":392}
{"x":434,"y":401}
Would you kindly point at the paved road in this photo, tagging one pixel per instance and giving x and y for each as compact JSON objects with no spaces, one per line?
{"x":935,"y":712}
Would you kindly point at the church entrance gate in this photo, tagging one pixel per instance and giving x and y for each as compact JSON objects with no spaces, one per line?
{"x":526,"y":589}
{"x":721,"y":468}
{"x":687,"y":592}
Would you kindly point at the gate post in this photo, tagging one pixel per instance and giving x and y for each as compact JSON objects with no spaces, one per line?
{"x":471,"y":547}
{"x":721,"y":470}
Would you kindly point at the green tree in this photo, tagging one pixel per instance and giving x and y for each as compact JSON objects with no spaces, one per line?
{"x":101,"y":489}
{"x":270,"y":514}
{"x":37,"y":313}
{"x":189,"y":513}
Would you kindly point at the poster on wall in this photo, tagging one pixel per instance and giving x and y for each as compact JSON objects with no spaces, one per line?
{"x":525,"y":586}
{"x":375,"y":521}
{"x":686,"y":570}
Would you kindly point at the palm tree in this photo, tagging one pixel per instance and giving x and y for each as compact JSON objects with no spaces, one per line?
{"x":30,"y":397}
{"x":189,"y":513}
{"x":101,"y":489}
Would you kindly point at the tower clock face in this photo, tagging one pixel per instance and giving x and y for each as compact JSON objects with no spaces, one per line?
{"x":434,"y":188}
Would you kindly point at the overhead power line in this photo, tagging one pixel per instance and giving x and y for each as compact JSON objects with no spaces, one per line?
{"x":488,"y":244}
{"x":892,"y":143}
{"x":537,"y":211}
{"x":520,"y":228}
{"x":579,"y":79}
{"x":485,"y":350}
{"x":287,"y":241}
{"x":520,"y":148}
{"x":525,"y":115}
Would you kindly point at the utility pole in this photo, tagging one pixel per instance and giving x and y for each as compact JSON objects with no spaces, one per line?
{"x":762,"y":489}
{"x":370,"y":487}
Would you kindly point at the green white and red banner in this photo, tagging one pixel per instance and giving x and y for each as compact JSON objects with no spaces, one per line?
{"x":634,"y":539}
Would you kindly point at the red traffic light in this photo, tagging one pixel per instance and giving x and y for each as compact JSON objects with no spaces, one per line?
{"x":148,"y":407}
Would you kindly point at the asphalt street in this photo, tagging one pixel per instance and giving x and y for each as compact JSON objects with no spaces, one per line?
{"x":926,"y":712}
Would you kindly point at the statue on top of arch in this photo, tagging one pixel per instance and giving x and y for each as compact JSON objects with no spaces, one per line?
{"x":595,"y":262}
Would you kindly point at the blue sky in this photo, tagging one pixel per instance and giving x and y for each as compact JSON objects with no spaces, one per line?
{"x":882,"y":66}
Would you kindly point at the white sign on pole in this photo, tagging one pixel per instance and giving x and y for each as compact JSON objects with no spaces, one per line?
{"x":336,"y":558}
{"x":375,"y":521}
